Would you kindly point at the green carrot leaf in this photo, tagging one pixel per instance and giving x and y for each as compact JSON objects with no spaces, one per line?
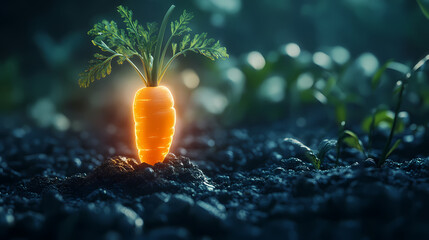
{"x":146,"y":42}
{"x":149,"y":38}
{"x":180,"y":26}
{"x":107,"y":35}
{"x":205,"y":46}
{"x":174,"y":47}
{"x":184,"y":42}
{"x":132,"y":26}
{"x":98,"y":68}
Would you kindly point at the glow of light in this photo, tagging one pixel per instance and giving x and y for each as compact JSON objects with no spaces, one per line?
{"x":237,"y":79}
{"x":61,"y":122}
{"x":404,"y":116}
{"x":235,"y":75}
{"x":305,"y":81}
{"x":43,"y":111}
{"x":211,"y":100}
{"x":322,"y":59}
{"x":340,"y":55}
{"x":273,"y":88}
{"x":320,"y":97}
{"x":369,"y":63}
{"x":292,"y":49}
{"x":256,"y":60}
{"x":190,"y":78}
{"x":320,"y":84}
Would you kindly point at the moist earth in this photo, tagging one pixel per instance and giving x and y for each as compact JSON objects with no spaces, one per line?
{"x":236,"y":183}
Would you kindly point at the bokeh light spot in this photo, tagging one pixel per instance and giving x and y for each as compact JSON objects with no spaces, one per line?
{"x":235,"y":75}
{"x":211,"y":100}
{"x":292,"y":49}
{"x":320,"y":84}
{"x":61,"y":122}
{"x":369,"y":63}
{"x":305,"y":81}
{"x":190,"y":78}
{"x":273,"y":88}
{"x":320,"y":97}
{"x":256,"y":60}
{"x":340,"y":55}
{"x":322,"y":59}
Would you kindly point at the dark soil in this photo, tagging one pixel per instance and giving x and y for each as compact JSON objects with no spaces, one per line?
{"x":242,"y":183}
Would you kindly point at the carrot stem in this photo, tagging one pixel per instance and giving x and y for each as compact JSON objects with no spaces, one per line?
{"x":156,"y":62}
{"x":138,"y":71}
{"x":168,"y":65}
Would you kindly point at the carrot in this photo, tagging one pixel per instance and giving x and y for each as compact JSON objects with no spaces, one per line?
{"x":154,"y":117}
{"x":154,"y":113}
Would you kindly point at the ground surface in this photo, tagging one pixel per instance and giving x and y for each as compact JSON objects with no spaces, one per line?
{"x":243,"y":183}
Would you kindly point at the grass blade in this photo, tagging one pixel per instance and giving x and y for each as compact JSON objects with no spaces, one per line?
{"x":352,"y":140}
{"x":395,"y":145}
{"x":424,"y":9}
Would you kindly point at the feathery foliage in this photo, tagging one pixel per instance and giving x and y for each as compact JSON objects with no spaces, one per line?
{"x":145,"y":43}
{"x":181,"y":26}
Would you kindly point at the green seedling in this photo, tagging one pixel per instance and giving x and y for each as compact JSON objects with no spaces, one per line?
{"x":400,"y":88}
{"x":386,"y":118}
{"x":314,"y":157}
{"x":324,"y":147}
{"x":349,"y":138}
{"x":380,"y":119}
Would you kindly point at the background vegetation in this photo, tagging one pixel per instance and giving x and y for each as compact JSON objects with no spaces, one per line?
{"x":288,"y":59}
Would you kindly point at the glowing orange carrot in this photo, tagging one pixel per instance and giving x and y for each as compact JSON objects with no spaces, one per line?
{"x":154,"y":113}
{"x":154,"y":117}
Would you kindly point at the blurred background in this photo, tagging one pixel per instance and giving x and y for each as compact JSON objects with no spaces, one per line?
{"x":288,"y":59}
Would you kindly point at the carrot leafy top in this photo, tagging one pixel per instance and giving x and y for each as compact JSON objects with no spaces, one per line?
{"x":145,"y":43}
